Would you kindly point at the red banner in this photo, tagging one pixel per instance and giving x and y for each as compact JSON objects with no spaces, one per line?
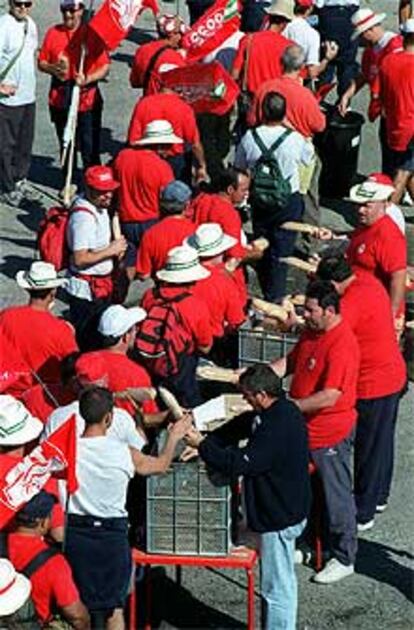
{"x":55,"y":456}
{"x":212,"y":29}
{"x":116,"y":17}
{"x":208,"y":88}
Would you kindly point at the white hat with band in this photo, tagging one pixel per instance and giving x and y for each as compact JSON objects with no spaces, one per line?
{"x":15,"y":588}
{"x":182,"y":266}
{"x":210,"y":240}
{"x":41,"y":275}
{"x":363,"y":19}
{"x":17,"y":425}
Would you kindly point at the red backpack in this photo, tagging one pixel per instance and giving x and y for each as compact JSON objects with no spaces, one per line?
{"x":162,"y":339}
{"x":51,"y":236}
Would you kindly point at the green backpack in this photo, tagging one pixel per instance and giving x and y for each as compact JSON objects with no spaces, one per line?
{"x":269,"y":189}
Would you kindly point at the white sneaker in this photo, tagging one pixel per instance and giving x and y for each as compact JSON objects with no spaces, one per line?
{"x":381,"y":508}
{"x":333,"y":572}
{"x":303,"y":555}
{"x":364,"y":527}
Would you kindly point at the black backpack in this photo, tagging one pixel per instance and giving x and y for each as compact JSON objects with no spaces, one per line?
{"x":269,"y":189}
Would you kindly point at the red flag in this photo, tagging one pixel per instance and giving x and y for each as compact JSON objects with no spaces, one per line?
{"x":212,"y":29}
{"x":54,"y":456}
{"x":207,"y":87}
{"x":115,"y":18}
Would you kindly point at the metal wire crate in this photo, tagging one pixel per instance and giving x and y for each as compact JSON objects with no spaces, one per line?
{"x":188,"y":513}
{"x":257,"y":345}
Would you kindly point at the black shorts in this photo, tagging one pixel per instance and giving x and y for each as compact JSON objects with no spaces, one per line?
{"x":402,"y":160}
{"x":100,"y":557}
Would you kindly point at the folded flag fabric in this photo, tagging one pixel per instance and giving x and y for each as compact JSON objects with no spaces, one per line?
{"x":212,"y":29}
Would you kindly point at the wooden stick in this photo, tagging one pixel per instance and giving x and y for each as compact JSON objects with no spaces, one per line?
{"x":299,"y":264}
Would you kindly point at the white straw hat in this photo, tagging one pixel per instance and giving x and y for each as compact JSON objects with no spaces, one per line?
{"x":159,"y":132}
{"x":210,"y":240}
{"x":284,"y":8}
{"x":363,"y":19}
{"x":182,"y":266}
{"x":17,"y":425}
{"x":15,"y":588}
{"x":41,"y":275}
{"x":116,"y":320}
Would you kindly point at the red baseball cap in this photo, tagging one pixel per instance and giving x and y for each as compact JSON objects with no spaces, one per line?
{"x":306,"y":4}
{"x":101,"y":178}
{"x":90,"y":369}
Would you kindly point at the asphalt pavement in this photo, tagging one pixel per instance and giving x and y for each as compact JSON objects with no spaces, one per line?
{"x":380,"y":594}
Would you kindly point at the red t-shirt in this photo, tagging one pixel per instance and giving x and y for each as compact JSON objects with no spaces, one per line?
{"x":165,"y":107}
{"x":41,"y":339}
{"x":222,"y":299}
{"x":158,"y":240}
{"x":373,"y":57}
{"x":193,"y":311}
{"x":380,"y":249}
{"x":40,"y":402}
{"x":60,"y":42}
{"x":143,"y":57}
{"x":396,"y":90}
{"x":327,"y":361}
{"x":302,"y":108}
{"x":122,"y":373}
{"x":52,"y":584}
{"x":264,"y":54}
{"x":214,"y":208}
{"x":15,"y":375}
{"x":142,"y":174}
{"x":8,"y":461}
{"x":382,"y":369}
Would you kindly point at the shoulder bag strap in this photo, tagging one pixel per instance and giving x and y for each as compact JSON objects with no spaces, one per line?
{"x":38,"y":561}
{"x":151,"y":65}
{"x":280,"y":140}
{"x":6,"y":70}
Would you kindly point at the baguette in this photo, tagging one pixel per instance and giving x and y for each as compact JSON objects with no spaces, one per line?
{"x":261,"y":244}
{"x":138,"y":394}
{"x":215,"y":373}
{"x":116,"y":227}
{"x":274,"y":310}
{"x":299,"y":264}
{"x":170,"y":400}
{"x":297,"y":226}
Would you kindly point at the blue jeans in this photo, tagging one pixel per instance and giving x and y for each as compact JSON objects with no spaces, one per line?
{"x":278,"y":579}
{"x":133,"y":232}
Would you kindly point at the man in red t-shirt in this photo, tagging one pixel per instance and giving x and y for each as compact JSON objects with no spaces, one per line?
{"x":53,"y":586}
{"x":59,"y":56}
{"x":40,"y":338}
{"x":169,"y":106}
{"x":325,"y":366}
{"x":169,"y":232}
{"x":378,"y":45}
{"x":378,"y":245}
{"x":142,"y":171}
{"x":382,"y":376}
{"x":172,"y":302}
{"x":158,"y":56}
{"x":396,"y":96}
{"x":231,"y":191}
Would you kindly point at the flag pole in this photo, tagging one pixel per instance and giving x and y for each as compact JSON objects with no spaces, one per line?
{"x":69,"y":134}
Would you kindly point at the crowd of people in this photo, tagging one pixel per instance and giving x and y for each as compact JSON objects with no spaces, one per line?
{"x":200,"y":212}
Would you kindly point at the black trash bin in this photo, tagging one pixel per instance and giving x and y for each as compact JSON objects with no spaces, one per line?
{"x":338,"y":148}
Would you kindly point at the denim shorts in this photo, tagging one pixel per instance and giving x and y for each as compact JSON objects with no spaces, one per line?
{"x":133,"y":232}
{"x":402,"y":160}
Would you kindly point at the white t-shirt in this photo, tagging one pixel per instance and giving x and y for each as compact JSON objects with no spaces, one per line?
{"x":22,"y":73}
{"x":394,"y":212}
{"x":293,"y":151}
{"x":103,"y":469}
{"x":336,"y":3}
{"x":303,"y":34}
{"x":122,"y":428}
{"x":88,"y":230}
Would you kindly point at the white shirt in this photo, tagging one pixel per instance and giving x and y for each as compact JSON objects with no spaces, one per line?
{"x":88,"y":230}
{"x":336,"y":3}
{"x":290,"y":154}
{"x":303,"y":34}
{"x":103,"y":468}
{"x":394,"y":212}
{"x":22,"y":73}
{"x":122,"y":428}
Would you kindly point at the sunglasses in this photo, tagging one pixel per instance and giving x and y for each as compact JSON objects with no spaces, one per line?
{"x":21,"y":5}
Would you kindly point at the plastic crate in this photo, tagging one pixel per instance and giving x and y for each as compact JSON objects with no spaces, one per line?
{"x":188,"y":513}
{"x":257,"y":345}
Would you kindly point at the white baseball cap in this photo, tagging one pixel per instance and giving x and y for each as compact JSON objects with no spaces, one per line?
{"x":377,"y":187}
{"x":116,"y":320}
{"x":15,"y":588}
{"x":363,"y":19}
{"x":41,"y":275}
{"x":210,"y":240}
{"x":17,"y":425}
